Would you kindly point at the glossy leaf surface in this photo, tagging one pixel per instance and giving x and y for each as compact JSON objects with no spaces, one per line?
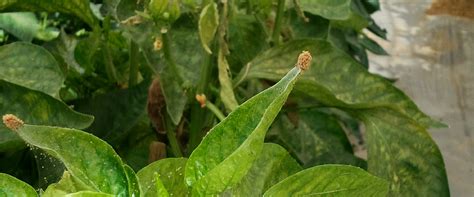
{"x":164,"y":177}
{"x":272,"y":166}
{"x":36,"y":108}
{"x":335,"y":79}
{"x":229,"y":149}
{"x":133,"y":185}
{"x":11,"y":186}
{"x":330,"y":180}
{"x":67,"y":185}
{"x":96,"y":165}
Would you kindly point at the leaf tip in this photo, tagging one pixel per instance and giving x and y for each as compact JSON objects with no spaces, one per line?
{"x":12,"y":122}
{"x":201,"y":98}
{"x":304,"y":60}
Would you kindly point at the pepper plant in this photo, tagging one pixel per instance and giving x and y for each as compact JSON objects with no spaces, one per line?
{"x":205,"y":98}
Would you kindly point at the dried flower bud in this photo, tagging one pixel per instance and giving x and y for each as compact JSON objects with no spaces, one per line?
{"x":157,"y":44}
{"x":12,"y":122}
{"x":201,"y":98}
{"x":304,"y":60}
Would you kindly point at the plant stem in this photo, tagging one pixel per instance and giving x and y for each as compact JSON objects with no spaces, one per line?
{"x":133,"y":78}
{"x":215,"y":110}
{"x":198,"y":116}
{"x":278,"y":21}
{"x":109,"y":63}
{"x":171,"y":135}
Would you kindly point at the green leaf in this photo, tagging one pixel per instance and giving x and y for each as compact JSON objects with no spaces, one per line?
{"x":95,"y":165}
{"x":115,"y":112}
{"x":316,"y":27}
{"x":272,"y":166}
{"x":11,"y":186}
{"x":164,"y":177}
{"x":330,"y":180}
{"x":372,"y":46}
{"x":403,"y":152}
{"x":246,"y":38}
{"x":317,"y":139}
{"x":185,"y":40}
{"x":208,"y":22}
{"x":19,"y":59}
{"x":335,"y":79}
{"x":133,"y":185}
{"x":25,"y":26}
{"x":79,"y":8}
{"x":89,"y":194}
{"x":227,"y":152}
{"x":36,"y":108}
{"x":67,"y":185}
{"x":175,"y":97}
{"x":22,"y":25}
{"x":355,"y":21}
{"x":330,"y":9}
{"x":226,"y":92}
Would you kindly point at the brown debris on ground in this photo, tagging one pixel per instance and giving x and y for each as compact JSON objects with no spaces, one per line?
{"x":461,"y":8}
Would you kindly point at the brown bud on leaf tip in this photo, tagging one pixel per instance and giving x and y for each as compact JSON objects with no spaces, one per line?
{"x":304,"y":60}
{"x":12,"y":122}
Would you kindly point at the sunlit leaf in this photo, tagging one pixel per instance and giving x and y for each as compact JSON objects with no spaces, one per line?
{"x":68,"y":184}
{"x":330,"y":180}
{"x":89,"y":194}
{"x":11,"y":186}
{"x":273,"y":165}
{"x":165,"y":177}
{"x":95,"y":165}
{"x":227,"y":152}
{"x":133,"y":185}
{"x":335,"y":79}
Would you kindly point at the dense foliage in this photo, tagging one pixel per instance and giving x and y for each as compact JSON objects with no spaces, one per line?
{"x":205,"y":98}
